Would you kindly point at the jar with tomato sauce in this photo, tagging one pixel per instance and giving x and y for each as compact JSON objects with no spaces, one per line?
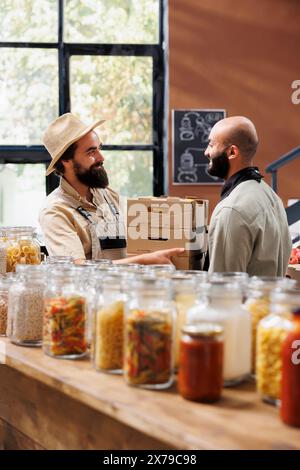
{"x":290,"y":390}
{"x":200,"y":376}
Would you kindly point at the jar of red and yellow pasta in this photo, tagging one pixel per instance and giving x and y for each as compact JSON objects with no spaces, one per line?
{"x":149,"y":333}
{"x":64,"y":330}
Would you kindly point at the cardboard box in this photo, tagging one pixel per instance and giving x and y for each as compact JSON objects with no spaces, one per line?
{"x":167,"y":212}
{"x":169,"y":222}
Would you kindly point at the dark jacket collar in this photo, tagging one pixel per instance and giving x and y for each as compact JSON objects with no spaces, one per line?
{"x":246,"y":174}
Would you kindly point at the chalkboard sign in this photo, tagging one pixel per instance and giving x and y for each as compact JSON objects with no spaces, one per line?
{"x":191,"y":129}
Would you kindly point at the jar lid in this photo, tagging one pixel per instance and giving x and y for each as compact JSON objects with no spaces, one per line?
{"x":203,"y":329}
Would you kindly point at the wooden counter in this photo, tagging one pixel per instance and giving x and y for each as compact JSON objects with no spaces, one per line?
{"x":59,"y":404}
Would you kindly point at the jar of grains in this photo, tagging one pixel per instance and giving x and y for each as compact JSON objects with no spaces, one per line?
{"x":5,"y":284}
{"x":149,"y":330}
{"x":258,"y":302}
{"x":64,"y":332}
{"x":26,"y":306}
{"x":271,"y":334}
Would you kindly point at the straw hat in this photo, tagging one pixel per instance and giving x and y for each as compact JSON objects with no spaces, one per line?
{"x":62,"y":133}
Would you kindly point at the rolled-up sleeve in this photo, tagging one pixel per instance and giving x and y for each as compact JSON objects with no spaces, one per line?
{"x":60,"y":235}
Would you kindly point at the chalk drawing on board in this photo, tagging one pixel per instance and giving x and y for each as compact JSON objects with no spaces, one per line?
{"x":190,"y":134}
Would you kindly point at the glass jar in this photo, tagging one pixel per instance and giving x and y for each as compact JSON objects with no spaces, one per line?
{"x":59,"y":260}
{"x":64,"y":332}
{"x":2,"y":256}
{"x":149,"y":330}
{"x":108,"y":344}
{"x":290,"y":390}
{"x":221,"y":302}
{"x":5,"y":284}
{"x":271,"y":333}
{"x":160,"y":270}
{"x":258,"y":302}
{"x":26,"y":306}
{"x":21,"y":247}
{"x":184,"y":288}
{"x":200,"y":376}
{"x":97,"y":262}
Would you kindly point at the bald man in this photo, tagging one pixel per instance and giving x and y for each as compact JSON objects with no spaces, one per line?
{"x":248,"y":229}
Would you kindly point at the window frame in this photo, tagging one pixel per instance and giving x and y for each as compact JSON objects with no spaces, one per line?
{"x":158,"y":52}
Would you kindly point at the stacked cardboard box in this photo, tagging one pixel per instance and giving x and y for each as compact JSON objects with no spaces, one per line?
{"x":169,"y":222}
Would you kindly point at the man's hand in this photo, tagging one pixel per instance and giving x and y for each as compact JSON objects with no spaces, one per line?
{"x":157,"y":257}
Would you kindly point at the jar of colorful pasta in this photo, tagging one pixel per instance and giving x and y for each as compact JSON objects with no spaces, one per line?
{"x":64,"y":332}
{"x":149,"y":329}
{"x":21,"y":247}
{"x":26,"y":306}
{"x":258,"y":302}
{"x":271,"y":334}
{"x":108,"y":344}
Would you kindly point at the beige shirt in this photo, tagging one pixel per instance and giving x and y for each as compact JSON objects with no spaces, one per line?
{"x":249,"y":232}
{"x":66,"y":232}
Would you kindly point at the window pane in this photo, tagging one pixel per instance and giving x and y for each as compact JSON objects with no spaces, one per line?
{"x":112,"y":21}
{"x":117,"y":86}
{"x":22,"y":191}
{"x":29,"y":94}
{"x":29,"y":20}
{"x":130,"y":173}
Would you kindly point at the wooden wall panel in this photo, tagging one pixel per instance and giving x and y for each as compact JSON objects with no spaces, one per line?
{"x":241,"y":56}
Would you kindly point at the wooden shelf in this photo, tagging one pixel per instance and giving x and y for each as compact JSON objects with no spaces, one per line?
{"x":61,"y":404}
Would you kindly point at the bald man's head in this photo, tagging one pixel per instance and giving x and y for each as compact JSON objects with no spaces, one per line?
{"x":238,"y":131}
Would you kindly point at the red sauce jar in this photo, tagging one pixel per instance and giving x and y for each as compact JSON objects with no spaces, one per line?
{"x":290,"y":391}
{"x":200,"y":376}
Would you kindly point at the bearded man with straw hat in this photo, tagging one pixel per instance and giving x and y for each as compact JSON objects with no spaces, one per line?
{"x":81,"y":218}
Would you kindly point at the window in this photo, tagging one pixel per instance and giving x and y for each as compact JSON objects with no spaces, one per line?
{"x":93,"y":58}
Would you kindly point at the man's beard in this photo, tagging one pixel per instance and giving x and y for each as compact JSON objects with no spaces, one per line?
{"x":94,"y":177}
{"x":219,"y":166}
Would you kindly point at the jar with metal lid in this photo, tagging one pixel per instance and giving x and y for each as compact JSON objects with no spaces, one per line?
{"x":221,"y":302}
{"x":271,"y":333}
{"x":26,"y":306}
{"x":108,"y":344}
{"x":258,"y":302}
{"x":149,"y":329}
{"x":21,"y":247}
{"x":5,"y":284}
{"x":200,"y":376}
{"x":64,"y":332}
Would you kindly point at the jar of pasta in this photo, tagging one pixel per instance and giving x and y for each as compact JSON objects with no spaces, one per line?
{"x":149,"y":329}
{"x":108,"y":344}
{"x":21,"y":247}
{"x":271,"y":333}
{"x":64,"y":330}
{"x":26,"y":306}
{"x":258,"y":302}
{"x":221,"y":302}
